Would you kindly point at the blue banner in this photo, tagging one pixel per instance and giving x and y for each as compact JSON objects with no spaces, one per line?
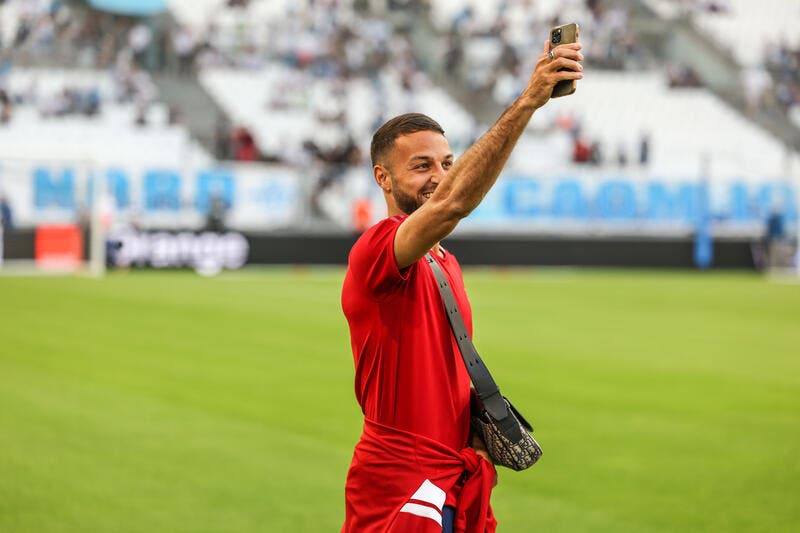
{"x":256,"y":196}
{"x":528,"y":201}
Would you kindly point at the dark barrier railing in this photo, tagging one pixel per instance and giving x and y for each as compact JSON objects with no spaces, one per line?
{"x":265,"y":249}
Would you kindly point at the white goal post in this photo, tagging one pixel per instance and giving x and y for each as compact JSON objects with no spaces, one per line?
{"x":55,"y":189}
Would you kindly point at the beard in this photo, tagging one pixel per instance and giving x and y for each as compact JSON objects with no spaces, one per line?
{"x":405,"y":202}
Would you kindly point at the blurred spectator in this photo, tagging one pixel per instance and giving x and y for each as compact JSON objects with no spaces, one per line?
{"x":217,"y":210}
{"x":778,"y":249}
{"x":622,"y":155}
{"x":6,"y":222}
{"x":581,"y":150}
{"x":244,"y":146}
{"x":596,"y":154}
{"x":362,"y":215}
{"x":566,"y":121}
{"x":5,"y":107}
{"x":6,"y":214}
{"x":71,"y":100}
{"x":140,"y":117}
{"x":454,"y":54}
{"x":644,"y":149}
{"x":174,"y":116}
{"x":783,"y":63}
{"x":756,"y":82}
{"x":113,"y":248}
{"x":683,"y":76}
{"x":775,"y":229}
{"x":139,"y":39}
{"x":184,"y":46}
{"x":333,"y":151}
{"x":24,"y":26}
{"x":714,"y":6}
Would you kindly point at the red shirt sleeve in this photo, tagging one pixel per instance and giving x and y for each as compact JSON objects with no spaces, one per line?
{"x":372,"y":260}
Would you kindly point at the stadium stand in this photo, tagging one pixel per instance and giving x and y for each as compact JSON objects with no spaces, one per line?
{"x":80,"y":111}
{"x":691,"y":122}
{"x":101,"y":102}
{"x":761,"y":36}
{"x":310,"y":77}
{"x":299,"y":107}
{"x":748,"y":29}
{"x":302,"y":85}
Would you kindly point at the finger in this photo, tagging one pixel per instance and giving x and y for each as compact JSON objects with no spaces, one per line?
{"x":569,"y":53}
{"x":546,"y":45}
{"x":569,"y":64}
{"x":571,"y":46}
{"x":567,"y":75}
{"x":543,"y":57}
{"x":542,"y":62}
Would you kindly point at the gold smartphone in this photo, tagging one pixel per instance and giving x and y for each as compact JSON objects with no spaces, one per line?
{"x":565,"y":34}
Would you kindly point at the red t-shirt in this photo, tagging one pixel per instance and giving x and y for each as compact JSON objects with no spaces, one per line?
{"x":409,"y":371}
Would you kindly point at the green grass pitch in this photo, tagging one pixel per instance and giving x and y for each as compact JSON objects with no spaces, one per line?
{"x":169,"y":402}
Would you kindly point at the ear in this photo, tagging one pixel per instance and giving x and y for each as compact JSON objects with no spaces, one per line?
{"x":382,"y":178}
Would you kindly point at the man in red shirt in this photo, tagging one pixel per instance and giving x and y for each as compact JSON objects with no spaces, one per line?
{"x":415,"y":467}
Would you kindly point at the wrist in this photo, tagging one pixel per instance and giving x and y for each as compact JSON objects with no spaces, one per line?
{"x":531,"y":98}
{"x":528,"y":101}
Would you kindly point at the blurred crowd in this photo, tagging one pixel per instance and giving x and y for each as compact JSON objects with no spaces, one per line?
{"x":339,"y":43}
{"x":487,"y":47}
{"x":495,"y":51}
{"x":773,"y":82}
{"x":592,"y":151}
{"x":55,"y":33}
{"x":691,"y":7}
{"x":783,"y":63}
{"x":64,"y":32}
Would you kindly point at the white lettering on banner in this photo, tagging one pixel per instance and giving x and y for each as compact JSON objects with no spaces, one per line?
{"x":207,"y":251}
{"x":256,"y":196}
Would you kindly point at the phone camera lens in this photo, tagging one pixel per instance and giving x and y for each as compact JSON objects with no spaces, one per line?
{"x":556,"y":37}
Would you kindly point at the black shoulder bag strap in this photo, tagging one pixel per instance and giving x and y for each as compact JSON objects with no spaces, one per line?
{"x":485,"y":386}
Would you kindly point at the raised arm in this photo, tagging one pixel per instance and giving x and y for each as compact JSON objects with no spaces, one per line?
{"x":461,"y":188}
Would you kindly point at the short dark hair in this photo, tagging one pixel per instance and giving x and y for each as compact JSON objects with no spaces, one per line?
{"x":384,"y":138}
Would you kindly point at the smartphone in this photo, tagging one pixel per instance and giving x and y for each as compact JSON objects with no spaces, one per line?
{"x":565,"y":34}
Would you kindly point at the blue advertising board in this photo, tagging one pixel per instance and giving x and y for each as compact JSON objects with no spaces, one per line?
{"x":265,"y":197}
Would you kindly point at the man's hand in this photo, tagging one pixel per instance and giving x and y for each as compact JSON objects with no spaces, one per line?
{"x":548,"y":72}
{"x":480,"y":448}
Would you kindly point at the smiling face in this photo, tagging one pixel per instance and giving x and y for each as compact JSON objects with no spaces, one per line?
{"x":412,"y":170}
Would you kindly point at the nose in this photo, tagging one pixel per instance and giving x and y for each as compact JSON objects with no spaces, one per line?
{"x":438,"y":173}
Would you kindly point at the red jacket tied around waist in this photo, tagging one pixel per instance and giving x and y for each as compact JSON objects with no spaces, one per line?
{"x":399,"y":482}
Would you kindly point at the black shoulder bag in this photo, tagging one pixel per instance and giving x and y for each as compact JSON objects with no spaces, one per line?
{"x":504,"y":430}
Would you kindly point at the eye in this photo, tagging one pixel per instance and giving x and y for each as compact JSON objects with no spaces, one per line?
{"x":447,"y":164}
{"x":422,"y":166}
